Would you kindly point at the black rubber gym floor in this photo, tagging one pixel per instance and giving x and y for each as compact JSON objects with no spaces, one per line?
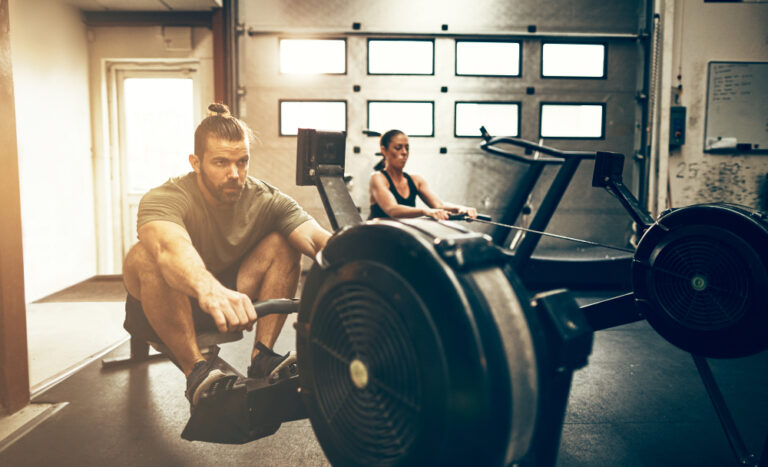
{"x":639,"y":402}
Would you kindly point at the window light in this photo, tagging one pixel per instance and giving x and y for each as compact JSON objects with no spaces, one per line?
{"x":475,"y":58}
{"x":572,"y":60}
{"x":320,"y":115}
{"x":412,"y":118}
{"x":401,"y":57}
{"x":572,"y":120}
{"x":307,"y":56}
{"x":158,"y":124}
{"x":499,"y":118}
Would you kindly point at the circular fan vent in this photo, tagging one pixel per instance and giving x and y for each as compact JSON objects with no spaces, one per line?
{"x":369,"y":387}
{"x":700,"y":277}
{"x":702,"y":283}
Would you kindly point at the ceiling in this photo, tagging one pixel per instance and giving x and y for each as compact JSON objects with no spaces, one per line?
{"x":145,"y":5}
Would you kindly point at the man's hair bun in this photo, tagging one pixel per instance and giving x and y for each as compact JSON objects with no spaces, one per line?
{"x":222,"y":125}
{"x":218,"y":109}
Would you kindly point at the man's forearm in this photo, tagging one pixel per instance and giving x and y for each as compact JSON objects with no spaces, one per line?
{"x":309,"y":238}
{"x":184,"y":270}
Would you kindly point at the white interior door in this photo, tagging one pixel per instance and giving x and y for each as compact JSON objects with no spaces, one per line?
{"x":156,"y":113}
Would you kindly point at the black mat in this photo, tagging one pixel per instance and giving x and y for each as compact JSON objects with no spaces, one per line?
{"x":95,"y":289}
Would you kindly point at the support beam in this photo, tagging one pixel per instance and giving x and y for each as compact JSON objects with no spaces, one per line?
{"x":14,"y":364}
{"x":147,"y":18}
{"x":220,"y":69}
{"x":223,"y":24}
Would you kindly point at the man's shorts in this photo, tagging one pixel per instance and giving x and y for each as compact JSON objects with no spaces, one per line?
{"x":138,"y":326}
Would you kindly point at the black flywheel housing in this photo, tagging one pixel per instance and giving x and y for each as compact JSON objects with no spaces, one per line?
{"x":400,"y":359}
{"x":700,"y":276}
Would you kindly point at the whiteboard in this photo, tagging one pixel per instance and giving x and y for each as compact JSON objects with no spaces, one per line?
{"x":737,"y":107}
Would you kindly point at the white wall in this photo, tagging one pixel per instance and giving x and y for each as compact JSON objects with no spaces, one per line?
{"x":118,"y":44}
{"x":50,"y":75}
{"x":707,"y":32}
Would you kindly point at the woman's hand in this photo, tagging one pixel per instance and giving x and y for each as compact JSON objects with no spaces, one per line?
{"x":437,"y":214}
{"x":470,"y":212}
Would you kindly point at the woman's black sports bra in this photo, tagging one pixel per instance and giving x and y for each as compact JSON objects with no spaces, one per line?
{"x":376,"y":211}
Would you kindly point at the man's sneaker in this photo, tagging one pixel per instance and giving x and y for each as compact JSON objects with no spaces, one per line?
{"x":274,"y":367}
{"x":206,"y":381}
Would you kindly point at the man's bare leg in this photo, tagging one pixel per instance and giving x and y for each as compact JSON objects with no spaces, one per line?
{"x":168,"y":311}
{"x":271,"y":270}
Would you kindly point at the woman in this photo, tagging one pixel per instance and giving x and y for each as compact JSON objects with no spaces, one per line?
{"x":393,"y":191}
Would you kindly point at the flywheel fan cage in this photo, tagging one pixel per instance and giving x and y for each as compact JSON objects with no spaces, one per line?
{"x":378,"y":423}
{"x":700,"y":277}
{"x":702,"y":283}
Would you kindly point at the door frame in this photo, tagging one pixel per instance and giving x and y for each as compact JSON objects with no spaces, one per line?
{"x":14,"y":362}
{"x":114,"y":224}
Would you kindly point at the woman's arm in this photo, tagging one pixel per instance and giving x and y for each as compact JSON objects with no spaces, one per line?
{"x":380,"y":194}
{"x":434,"y":201}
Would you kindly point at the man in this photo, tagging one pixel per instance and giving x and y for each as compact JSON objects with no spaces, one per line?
{"x":210,"y":242}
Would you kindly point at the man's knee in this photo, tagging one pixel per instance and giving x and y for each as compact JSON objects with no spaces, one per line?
{"x":272,"y":257}
{"x":139,"y":266}
{"x":279,"y":247}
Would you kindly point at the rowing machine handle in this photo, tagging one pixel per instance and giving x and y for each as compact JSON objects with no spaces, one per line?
{"x":464,"y":217}
{"x":276,"y":306}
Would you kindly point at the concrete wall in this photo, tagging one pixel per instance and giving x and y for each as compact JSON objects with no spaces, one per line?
{"x":705,"y":32}
{"x":137,"y":44}
{"x":50,"y":75}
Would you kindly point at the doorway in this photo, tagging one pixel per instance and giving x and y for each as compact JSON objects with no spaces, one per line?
{"x":153,"y":110}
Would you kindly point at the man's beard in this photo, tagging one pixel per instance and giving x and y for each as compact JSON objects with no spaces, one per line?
{"x":224,"y":197}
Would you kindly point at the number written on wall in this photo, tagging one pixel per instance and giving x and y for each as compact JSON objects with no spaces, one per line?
{"x":723,"y":181}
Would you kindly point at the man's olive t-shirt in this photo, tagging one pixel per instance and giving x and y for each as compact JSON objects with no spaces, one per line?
{"x":222,"y":236}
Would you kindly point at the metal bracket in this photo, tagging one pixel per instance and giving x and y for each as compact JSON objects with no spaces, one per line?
{"x":320,"y":157}
{"x":608,"y":175}
{"x":467,"y":250}
{"x":569,"y":325}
